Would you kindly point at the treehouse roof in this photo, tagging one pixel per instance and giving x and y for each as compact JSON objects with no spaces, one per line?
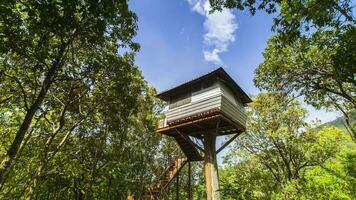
{"x":219,"y":73}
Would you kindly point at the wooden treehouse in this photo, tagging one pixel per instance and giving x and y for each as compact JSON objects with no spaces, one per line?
{"x":196,"y":113}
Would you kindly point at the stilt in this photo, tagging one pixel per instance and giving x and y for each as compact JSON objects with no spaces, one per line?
{"x":177,"y":187}
{"x":189,"y":181}
{"x":211,"y":169}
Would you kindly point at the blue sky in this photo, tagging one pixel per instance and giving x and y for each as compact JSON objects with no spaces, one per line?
{"x":180,"y":40}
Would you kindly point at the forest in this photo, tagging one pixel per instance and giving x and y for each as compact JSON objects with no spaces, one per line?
{"x":78,"y":119}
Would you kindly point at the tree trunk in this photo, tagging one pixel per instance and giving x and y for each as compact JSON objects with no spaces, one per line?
{"x":6,"y":163}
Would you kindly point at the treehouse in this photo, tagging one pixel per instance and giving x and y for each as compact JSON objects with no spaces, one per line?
{"x":212,"y":102}
{"x":196,"y":113}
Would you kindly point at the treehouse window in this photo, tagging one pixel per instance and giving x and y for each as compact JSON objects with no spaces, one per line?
{"x":180,"y":100}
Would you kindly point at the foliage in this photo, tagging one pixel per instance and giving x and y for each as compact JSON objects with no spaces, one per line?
{"x":283,"y":157}
{"x":296,"y":18}
{"x":330,"y":181}
{"x":247,"y":179}
{"x":312,"y":53}
{"x":339,"y":122}
{"x":76,"y":117}
{"x":312,"y":67}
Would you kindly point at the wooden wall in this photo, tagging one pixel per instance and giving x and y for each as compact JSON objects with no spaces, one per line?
{"x":216,"y":96}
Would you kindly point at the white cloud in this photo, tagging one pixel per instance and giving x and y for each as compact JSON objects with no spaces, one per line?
{"x":212,"y":56}
{"x":197,"y":6}
{"x":219,"y":28}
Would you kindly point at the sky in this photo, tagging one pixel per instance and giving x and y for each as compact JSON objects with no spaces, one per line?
{"x":180,"y":40}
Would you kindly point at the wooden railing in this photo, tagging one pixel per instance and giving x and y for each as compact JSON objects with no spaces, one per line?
{"x":175,"y":159}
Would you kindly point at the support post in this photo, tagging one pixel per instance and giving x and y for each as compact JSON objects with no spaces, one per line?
{"x":211,"y":168}
{"x":177,"y":187}
{"x":189,"y":181}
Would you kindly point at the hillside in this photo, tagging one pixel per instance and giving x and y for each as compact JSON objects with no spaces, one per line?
{"x":339,"y":122}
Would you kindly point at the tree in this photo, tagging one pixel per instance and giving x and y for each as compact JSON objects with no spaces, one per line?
{"x":57,"y":58}
{"x":297,"y":18}
{"x":312,"y":53}
{"x":279,"y":136}
{"x":247,"y":179}
{"x":311,"y":67}
{"x":93,"y":136}
{"x":105,"y":157}
{"x":280,"y":154}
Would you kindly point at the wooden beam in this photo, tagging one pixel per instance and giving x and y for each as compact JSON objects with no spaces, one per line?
{"x":217,"y":126}
{"x":211,"y":168}
{"x":212,"y":130}
{"x":189,"y":181}
{"x":198,"y":135}
{"x":177,"y":187}
{"x":227,"y":143}
{"x":197,"y":125}
{"x":189,"y":140}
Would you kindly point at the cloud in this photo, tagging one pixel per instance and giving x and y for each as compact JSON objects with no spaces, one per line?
{"x":213,"y":56}
{"x":219,"y":28}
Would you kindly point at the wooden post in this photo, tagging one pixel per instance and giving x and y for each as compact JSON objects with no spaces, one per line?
{"x":189,"y":181}
{"x":177,"y":187}
{"x":211,"y":168}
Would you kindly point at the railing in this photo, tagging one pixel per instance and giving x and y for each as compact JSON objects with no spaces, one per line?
{"x":176,"y":156}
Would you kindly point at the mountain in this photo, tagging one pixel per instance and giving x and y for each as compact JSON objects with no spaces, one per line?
{"x":339,"y":122}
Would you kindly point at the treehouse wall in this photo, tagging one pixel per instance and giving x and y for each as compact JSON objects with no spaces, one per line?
{"x":213,"y":95}
{"x":226,"y":92}
{"x":207,"y":92}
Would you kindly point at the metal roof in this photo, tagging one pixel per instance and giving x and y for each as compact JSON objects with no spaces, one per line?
{"x":217,"y":73}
